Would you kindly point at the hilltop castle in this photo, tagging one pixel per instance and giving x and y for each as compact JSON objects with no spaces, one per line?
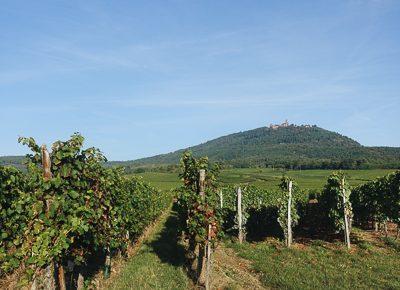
{"x":286,"y":124}
{"x":276,"y":126}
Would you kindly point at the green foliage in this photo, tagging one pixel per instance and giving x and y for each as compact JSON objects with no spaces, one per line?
{"x":331,"y":202}
{"x":12,"y":219}
{"x":84,"y":208}
{"x":198,"y":212}
{"x":190,"y":168}
{"x":378,"y":200}
{"x":253,"y":197}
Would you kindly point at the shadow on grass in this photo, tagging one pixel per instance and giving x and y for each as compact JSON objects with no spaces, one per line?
{"x":166,"y":244}
{"x":263,"y":223}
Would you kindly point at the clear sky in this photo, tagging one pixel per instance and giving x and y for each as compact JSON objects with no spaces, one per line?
{"x":138,"y":78}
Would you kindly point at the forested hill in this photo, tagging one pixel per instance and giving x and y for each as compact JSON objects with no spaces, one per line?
{"x":16,"y":161}
{"x":286,"y":147}
{"x":290,"y":147}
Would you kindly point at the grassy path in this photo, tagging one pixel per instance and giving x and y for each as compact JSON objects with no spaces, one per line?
{"x":159,"y":263}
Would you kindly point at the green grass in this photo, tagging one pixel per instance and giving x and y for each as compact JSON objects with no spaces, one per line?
{"x":269,"y":178}
{"x":393,"y":243}
{"x":161,"y":180}
{"x":308,"y":179}
{"x":159,"y":262}
{"x":323,"y":266}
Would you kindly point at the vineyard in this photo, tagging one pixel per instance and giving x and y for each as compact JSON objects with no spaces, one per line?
{"x":67,"y":217}
{"x":212,"y":212}
{"x":68,"y":213}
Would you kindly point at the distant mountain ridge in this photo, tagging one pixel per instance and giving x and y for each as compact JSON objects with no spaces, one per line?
{"x":16,"y":161}
{"x":285,"y":146}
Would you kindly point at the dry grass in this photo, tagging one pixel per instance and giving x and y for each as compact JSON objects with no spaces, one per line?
{"x":12,"y":281}
{"x":232,"y":272}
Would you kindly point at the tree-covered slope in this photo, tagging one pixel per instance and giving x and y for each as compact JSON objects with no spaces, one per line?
{"x":15,"y":161}
{"x":292,"y":146}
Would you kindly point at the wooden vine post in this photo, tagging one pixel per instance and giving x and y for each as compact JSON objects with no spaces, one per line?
{"x":46,"y":279}
{"x":385,"y":227}
{"x":80,"y":283}
{"x":107,"y":264}
{"x":61,"y":277}
{"x":202,"y":249}
{"x":202,"y":183}
{"x":376,"y":225}
{"x":289,"y":217}
{"x":346,"y":220}
{"x":208,"y":269}
{"x":204,"y":254}
{"x":239,"y":215}
{"x":221,"y":199}
{"x":46,"y":163}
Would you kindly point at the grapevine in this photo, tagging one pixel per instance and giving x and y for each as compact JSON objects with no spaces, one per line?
{"x":83,"y":209}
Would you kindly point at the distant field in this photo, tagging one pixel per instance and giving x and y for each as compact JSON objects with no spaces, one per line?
{"x":269,"y":178}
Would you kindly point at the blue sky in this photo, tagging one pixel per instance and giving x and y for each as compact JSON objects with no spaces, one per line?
{"x":138,"y":78}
